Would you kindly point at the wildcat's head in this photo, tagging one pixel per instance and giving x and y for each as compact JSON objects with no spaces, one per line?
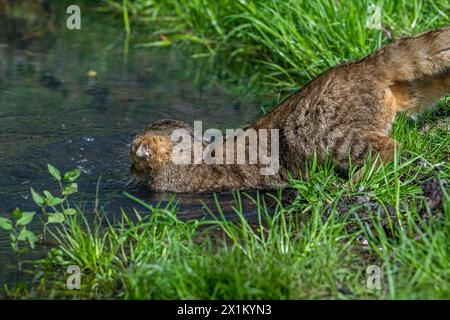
{"x":151,"y":150}
{"x":150,"y":153}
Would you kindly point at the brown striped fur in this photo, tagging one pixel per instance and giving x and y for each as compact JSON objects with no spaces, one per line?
{"x":346,"y":113}
{"x":151,"y":163}
{"x":349,"y":110}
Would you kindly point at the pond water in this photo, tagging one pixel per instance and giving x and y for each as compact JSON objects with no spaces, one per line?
{"x":53,"y":110}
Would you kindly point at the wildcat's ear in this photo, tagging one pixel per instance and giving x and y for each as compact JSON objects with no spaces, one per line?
{"x":143,"y":150}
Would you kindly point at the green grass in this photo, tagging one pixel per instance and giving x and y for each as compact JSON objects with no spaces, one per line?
{"x":316,"y":245}
{"x":282,"y":43}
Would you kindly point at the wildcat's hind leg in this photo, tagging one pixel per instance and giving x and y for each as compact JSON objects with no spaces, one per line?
{"x":382,"y":148}
{"x":416,"y":96}
{"x":383,"y":145}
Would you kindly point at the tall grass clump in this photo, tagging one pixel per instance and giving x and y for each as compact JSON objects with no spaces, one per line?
{"x":283,"y":254}
{"x":319,"y":244}
{"x":287,"y":42}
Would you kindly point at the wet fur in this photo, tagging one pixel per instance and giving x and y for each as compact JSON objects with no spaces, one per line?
{"x":345,"y":113}
{"x":151,"y":163}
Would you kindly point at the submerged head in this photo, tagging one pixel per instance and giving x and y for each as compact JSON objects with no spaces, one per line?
{"x":151,"y":150}
{"x":150,"y":153}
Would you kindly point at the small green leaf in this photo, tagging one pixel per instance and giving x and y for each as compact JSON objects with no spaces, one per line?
{"x":5,"y":224}
{"x":55,"y":201}
{"x":23,"y":234}
{"x":54,"y":172}
{"x":51,"y":200}
{"x":25,"y":219}
{"x":17,"y":214}
{"x":70,"y":189}
{"x":72,"y":175}
{"x":48,"y":197}
{"x":56,"y":217}
{"x":55,"y":252}
{"x":47,"y":194}
{"x":70,"y":211}
{"x":27,"y":235}
{"x":37,"y":198}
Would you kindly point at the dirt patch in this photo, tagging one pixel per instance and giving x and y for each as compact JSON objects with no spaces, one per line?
{"x":442,"y":116}
{"x":366,"y":210}
{"x":441,"y":123}
{"x":433,"y":193}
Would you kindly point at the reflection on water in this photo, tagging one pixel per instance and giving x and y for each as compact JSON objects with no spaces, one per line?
{"x":69,"y":98}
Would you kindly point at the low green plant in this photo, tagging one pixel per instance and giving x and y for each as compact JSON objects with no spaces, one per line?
{"x":56,"y":208}
{"x":18,"y":232}
{"x":318,"y":245}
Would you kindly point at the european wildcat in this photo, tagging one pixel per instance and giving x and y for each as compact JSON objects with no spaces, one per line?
{"x":152,"y":157}
{"x":345,"y":112}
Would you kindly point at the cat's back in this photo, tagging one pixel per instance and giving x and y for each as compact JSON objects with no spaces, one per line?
{"x":330,"y":112}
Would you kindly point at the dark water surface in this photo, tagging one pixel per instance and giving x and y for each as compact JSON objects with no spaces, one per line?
{"x":53,"y":111}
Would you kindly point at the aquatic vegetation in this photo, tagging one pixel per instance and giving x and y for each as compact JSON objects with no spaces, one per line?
{"x":18,"y":232}
{"x":59,"y":206}
{"x":17,"y":227}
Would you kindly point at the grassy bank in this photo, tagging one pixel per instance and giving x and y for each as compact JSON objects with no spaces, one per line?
{"x":280,"y":43}
{"x":316,"y":241}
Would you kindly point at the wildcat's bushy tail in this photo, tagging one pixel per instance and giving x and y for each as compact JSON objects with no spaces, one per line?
{"x":409,"y":59}
{"x":415,"y":71}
